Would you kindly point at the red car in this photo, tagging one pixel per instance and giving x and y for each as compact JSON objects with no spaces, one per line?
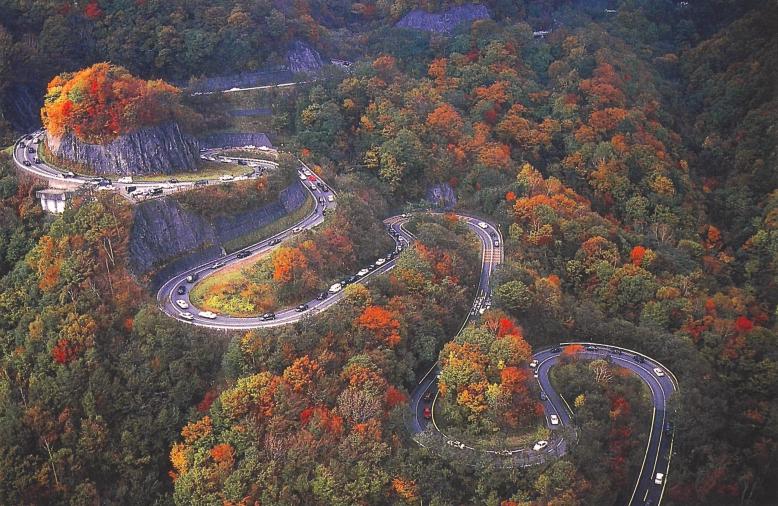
{"x":427,"y":413}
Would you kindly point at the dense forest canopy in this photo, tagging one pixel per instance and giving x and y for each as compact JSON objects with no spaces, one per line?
{"x":628,"y":156}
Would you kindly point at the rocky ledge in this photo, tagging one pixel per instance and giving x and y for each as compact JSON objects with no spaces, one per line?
{"x":445,"y":21}
{"x":158,"y":149}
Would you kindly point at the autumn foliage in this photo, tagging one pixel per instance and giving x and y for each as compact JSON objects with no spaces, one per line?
{"x":104,"y":101}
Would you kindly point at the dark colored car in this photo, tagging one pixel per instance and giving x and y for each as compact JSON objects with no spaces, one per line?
{"x":427,"y":396}
{"x":616,"y":351}
{"x":543,"y":396}
{"x":275,"y":241}
{"x":201,"y":182}
{"x":556,"y":350}
{"x":192,"y":278}
{"x":27,"y":163}
{"x":351,"y":279}
{"x":243,"y":254}
{"x":639,"y":358}
{"x":181,"y":290}
{"x":68,"y":174}
{"x":31,"y":150}
{"x":591,"y":348}
{"x":321,"y":296}
{"x":156,"y":191}
{"x":37,"y":160}
{"x":427,"y":413}
{"x":104,"y":182}
{"x":301,"y":308}
{"x":268,"y":316}
{"x":172,"y":181}
{"x":668,"y":428}
{"x":241,"y":162}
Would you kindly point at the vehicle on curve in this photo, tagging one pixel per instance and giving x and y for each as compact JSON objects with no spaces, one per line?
{"x":182,"y":304}
{"x":427,"y":396}
{"x":496,"y":243}
{"x":363,"y":272}
{"x":275,"y":241}
{"x":540,"y":445}
{"x":219,"y":264}
{"x":181,"y":290}
{"x":301,"y":308}
{"x":192,"y":278}
{"x":68,"y":174}
{"x":336,"y":288}
{"x":427,"y":413}
{"x":186,"y":315}
{"x":554,"y":419}
{"x":483,"y":225}
{"x":659,"y":372}
{"x":534,"y":363}
{"x":268,"y":316}
{"x":381,"y":261}
{"x":243,"y":254}
{"x":659,"y":479}
{"x":330,"y":198}
{"x":207,"y":314}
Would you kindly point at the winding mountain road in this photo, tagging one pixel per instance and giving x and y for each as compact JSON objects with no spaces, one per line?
{"x":647,"y":491}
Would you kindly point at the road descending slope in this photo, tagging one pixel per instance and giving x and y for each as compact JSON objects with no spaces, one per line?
{"x":173,"y":299}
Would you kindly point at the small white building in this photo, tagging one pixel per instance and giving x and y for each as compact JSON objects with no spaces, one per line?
{"x":53,"y":200}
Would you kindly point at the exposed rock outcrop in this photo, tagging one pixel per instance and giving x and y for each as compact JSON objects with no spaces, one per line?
{"x":442,"y":196}
{"x":167,"y":239}
{"x":445,"y":21}
{"x":303,"y":58}
{"x":158,"y":149}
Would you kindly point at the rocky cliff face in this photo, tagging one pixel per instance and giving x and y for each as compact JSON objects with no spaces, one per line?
{"x":166,"y":239}
{"x":303,"y":58}
{"x":445,"y":21}
{"x":157,"y":149}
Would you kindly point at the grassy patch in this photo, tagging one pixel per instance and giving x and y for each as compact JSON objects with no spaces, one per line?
{"x":521,"y":437}
{"x":216,"y":293}
{"x":206,"y":169}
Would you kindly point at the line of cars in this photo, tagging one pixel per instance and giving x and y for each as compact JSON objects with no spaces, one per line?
{"x":340,"y":285}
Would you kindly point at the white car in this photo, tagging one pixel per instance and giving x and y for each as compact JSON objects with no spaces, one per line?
{"x":336,"y":288}
{"x":363,"y":272}
{"x":125,"y":179}
{"x":186,"y":316}
{"x":540,"y":445}
{"x":182,"y":304}
{"x":330,"y":198}
{"x":660,"y":478}
{"x":533,"y":364}
{"x":303,"y":177}
{"x":306,"y":172}
{"x":483,"y":225}
{"x":659,"y":372}
{"x":381,"y":261}
{"x":553,"y":419}
{"x":297,"y":230}
{"x":208,"y":314}
{"x":226,"y":177}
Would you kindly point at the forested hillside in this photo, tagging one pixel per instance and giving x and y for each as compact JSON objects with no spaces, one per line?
{"x":627,"y":154}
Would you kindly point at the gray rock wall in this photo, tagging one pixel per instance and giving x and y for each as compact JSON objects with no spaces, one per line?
{"x":303,"y":58}
{"x":158,"y":149}
{"x":445,"y":21}
{"x":235,"y":139}
{"x":167,"y":239}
